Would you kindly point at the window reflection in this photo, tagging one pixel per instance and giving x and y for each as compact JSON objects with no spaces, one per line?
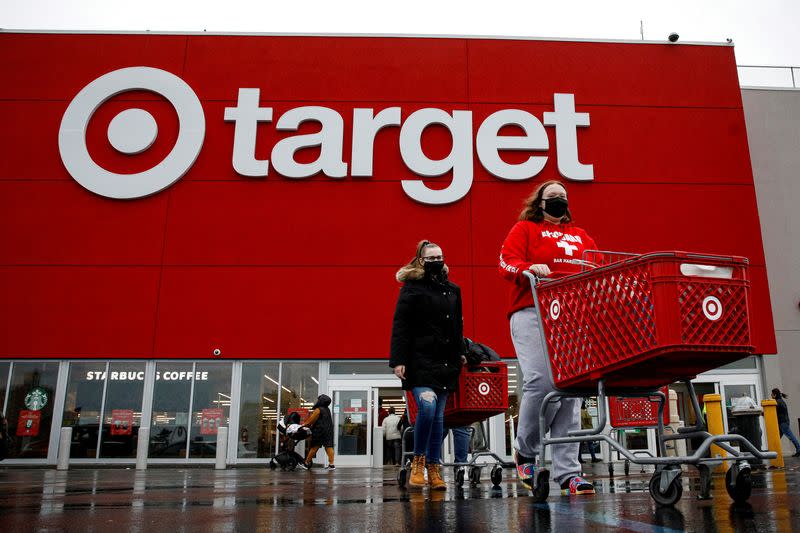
{"x":4,"y":367}
{"x":122,"y":412}
{"x":210,"y":407}
{"x":299,"y":387}
{"x":82,"y":407}
{"x":170,"y":422}
{"x":258,"y":413}
{"x":30,"y":408}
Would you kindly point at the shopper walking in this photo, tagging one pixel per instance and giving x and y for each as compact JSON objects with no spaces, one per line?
{"x":543,"y":241}
{"x":784,"y":424}
{"x":427,"y":353}
{"x":321,"y":423}
{"x":391,"y":432}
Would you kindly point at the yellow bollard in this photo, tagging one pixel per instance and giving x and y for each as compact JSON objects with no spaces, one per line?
{"x":773,"y":434}
{"x":716,"y":426}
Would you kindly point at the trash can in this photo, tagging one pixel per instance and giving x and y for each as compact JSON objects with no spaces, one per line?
{"x":747,"y":423}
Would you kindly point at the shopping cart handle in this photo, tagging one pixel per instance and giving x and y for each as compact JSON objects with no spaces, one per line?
{"x":555,"y":274}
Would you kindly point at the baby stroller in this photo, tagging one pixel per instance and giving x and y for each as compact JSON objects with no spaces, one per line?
{"x":291,"y":432}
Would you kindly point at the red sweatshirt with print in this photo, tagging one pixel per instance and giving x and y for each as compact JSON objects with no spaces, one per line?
{"x":529,"y":243}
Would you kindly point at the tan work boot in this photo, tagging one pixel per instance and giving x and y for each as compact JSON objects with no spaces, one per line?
{"x":435,"y":477}
{"x":417,"y":479}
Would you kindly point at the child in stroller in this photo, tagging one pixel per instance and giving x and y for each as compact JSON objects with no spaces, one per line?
{"x":291,"y":432}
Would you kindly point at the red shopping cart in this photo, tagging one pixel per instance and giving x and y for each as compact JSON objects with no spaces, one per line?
{"x":482,"y":393}
{"x":634,"y":325}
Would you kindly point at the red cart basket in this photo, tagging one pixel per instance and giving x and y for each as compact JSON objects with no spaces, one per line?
{"x":482,"y":392}
{"x":646,"y":321}
{"x":636,"y":412}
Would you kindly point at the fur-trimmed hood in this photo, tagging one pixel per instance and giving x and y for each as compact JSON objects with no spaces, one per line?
{"x":409,"y":273}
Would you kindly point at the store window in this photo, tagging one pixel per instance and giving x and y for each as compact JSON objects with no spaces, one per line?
{"x":122,"y":410}
{"x":258,"y":414}
{"x":30,"y":408}
{"x":4,"y":369}
{"x":299,"y":387}
{"x":82,"y":405}
{"x":354,"y":369}
{"x":172,"y":393}
{"x":211,"y":404}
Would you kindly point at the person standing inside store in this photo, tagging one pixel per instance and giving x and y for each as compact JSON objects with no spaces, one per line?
{"x":784,"y":424}
{"x":544,"y":240}
{"x":391,"y":433}
{"x":427,"y":353}
{"x":587,"y":423}
{"x":321,"y":423}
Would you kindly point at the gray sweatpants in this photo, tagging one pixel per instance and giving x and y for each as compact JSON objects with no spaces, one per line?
{"x":561,"y":416}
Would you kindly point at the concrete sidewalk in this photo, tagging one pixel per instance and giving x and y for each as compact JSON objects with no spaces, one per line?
{"x":361,"y":499}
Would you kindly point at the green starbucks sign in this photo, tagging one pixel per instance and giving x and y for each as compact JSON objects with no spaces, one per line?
{"x":36,"y":399}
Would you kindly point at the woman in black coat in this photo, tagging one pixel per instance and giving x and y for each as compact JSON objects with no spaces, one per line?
{"x":427,"y":352}
{"x":321,"y":423}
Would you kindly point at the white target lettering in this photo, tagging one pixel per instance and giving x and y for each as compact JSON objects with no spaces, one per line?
{"x":712,"y":308}
{"x":484,"y":388}
{"x":555,"y":309}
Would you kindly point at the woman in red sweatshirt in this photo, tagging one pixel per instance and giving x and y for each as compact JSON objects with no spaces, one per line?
{"x":544,"y":240}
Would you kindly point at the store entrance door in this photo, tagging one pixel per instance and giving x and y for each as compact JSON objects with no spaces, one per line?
{"x":352,"y":425}
{"x":358,"y":409}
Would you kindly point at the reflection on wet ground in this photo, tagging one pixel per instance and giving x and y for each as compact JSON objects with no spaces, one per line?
{"x":361,"y":499}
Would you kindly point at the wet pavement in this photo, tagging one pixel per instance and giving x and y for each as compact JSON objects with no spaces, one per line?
{"x":362,"y":499}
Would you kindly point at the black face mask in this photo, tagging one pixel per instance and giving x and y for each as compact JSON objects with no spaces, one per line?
{"x":433,"y":268}
{"x":556,"y":207}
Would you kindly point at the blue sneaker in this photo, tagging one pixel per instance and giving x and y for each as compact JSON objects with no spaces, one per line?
{"x":526,"y":470}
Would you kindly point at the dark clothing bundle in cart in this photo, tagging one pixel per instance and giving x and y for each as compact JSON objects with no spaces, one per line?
{"x":637,"y":324}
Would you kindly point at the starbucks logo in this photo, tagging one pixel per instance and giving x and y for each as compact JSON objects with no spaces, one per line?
{"x":36,"y":399}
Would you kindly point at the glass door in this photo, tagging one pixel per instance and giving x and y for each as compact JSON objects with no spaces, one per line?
{"x":352,"y":425}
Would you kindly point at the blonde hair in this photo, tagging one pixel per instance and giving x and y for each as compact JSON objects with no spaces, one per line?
{"x":414,"y":268}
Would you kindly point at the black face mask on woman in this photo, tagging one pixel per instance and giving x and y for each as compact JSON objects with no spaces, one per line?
{"x":556,"y":207}
{"x":433,"y":268}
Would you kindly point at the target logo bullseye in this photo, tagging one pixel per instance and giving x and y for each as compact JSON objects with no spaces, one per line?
{"x":484,"y":388}
{"x":555,"y":309}
{"x":131,"y":132}
{"x":712,"y":308}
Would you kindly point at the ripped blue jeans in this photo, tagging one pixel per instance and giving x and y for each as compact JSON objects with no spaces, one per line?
{"x":429,"y":426}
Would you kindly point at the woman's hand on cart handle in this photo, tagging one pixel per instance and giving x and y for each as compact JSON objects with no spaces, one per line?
{"x":463,"y":359}
{"x":400,"y":371}
{"x":540,"y":270}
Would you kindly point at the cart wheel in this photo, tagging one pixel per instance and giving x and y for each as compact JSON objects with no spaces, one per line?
{"x":496,"y":475}
{"x":402,"y":476}
{"x":673,"y":493}
{"x":541,"y":488}
{"x":627,"y":468}
{"x":475,"y":475}
{"x":744,"y":485}
{"x":460,"y":477}
{"x":291,"y":466}
{"x":272,"y":465}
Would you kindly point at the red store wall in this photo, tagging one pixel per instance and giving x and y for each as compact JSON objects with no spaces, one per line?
{"x":305,"y":268}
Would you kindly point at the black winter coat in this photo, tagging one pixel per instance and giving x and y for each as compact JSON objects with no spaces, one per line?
{"x":322,"y":430}
{"x":427,"y":334}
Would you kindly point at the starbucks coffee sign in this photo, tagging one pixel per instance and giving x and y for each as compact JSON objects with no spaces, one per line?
{"x":36,"y":399}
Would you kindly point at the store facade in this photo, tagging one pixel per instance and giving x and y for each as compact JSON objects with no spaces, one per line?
{"x":203,"y":230}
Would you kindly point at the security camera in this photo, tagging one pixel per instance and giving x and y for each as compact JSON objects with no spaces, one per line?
{"x":217,"y":351}
{"x":673,"y":37}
